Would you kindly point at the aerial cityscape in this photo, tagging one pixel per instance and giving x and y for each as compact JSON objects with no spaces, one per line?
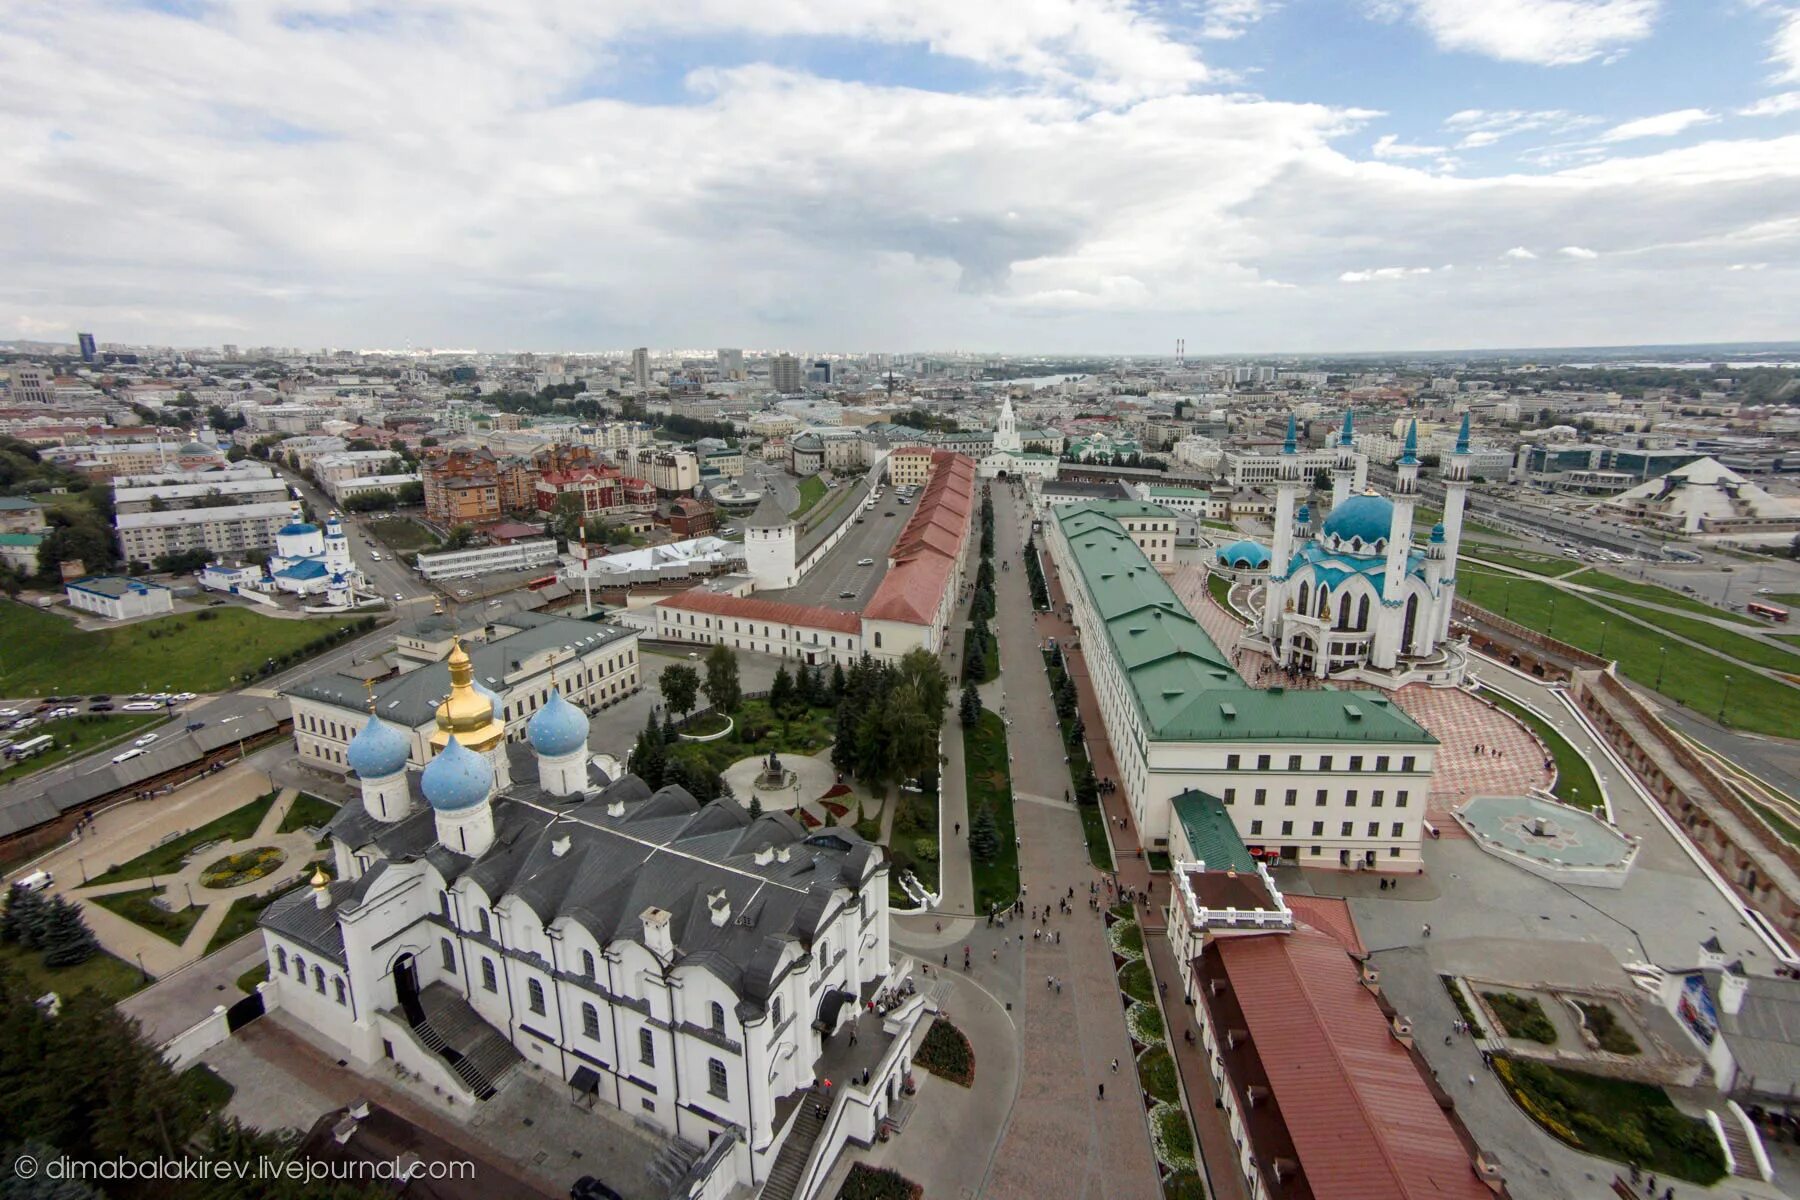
{"x":1073,"y":600}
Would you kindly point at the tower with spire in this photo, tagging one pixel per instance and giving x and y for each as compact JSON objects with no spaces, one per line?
{"x":770,"y":550}
{"x":1343,"y":466}
{"x":1287,"y":491}
{"x":1395,"y":637}
{"x":1456,"y":497}
{"x":1006,"y":430}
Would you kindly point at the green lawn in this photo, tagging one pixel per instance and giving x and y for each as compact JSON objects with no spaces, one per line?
{"x":1093,"y":827}
{"x":1692,"y":677}
{"x":1744,"y":649}
{"x":1656,"y":594}
{"x":167,"y":858}
{"x":401,"y":533}
{"x":112,"y":977}
{"x":1220,"y":587}
{"x":1616,"y":1119}
{"x":307,"y":812}
{"x":812,"y":490}
{"x":914,"y":843}
{"x":139,"y":908}
{"x":76,"y":736}
{"x":990,"y":784}
{"x":758,"y":731}
{"x":1575,"y":782}
{"x":193,"y":652}
{"x":240,"y":919}
{"x":247,"y":982}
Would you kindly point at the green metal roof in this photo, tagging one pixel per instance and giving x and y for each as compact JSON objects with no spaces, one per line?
{"x":1211,"y":832}
{"x":1178,"y":493}
{"x":21,"y":539}
{"x":1185,"y":687}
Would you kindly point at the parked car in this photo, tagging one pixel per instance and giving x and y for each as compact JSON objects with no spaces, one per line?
{"x":846,"y":595}
{"x":865,"y":562}
{"x":100,"y":708}
{"x":143,"y":706}
{"x":182,"y":697}
{"x":398,"y":597}
{"x":101,"y":698}
{"x":215,"y":604}
{"x":7,"y":714}
{"x":37,"y":881}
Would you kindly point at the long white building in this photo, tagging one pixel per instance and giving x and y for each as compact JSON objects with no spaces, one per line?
{"x":1323,"y":778}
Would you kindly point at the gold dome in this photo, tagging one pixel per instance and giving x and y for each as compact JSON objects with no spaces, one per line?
{"x":466,"y":712}
{"x":319,"y":878}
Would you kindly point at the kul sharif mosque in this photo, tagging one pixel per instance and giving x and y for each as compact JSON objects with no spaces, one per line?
{"x":1358,"y":594}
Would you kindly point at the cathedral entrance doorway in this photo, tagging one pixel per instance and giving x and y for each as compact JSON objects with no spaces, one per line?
{"x":406,"y":989}
{"x":1304,"y":653}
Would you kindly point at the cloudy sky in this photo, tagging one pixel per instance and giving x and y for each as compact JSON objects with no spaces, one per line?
{"x":1004,"y":175}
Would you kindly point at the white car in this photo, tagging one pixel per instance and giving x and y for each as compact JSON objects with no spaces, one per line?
{"x":865,"y":562}
{"x":7,"y":714}
{"x":374,"y":556}
{"x":398,"y":597}
{"x":146,"y":739}
{"x":141,"y":706}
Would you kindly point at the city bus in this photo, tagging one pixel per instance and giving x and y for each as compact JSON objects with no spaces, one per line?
{"x":31,"y":747}
{"x":1769,"y":612}
{"x":541,"y":583}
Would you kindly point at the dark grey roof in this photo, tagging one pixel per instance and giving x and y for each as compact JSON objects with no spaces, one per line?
{"x":581,"y":861}
{"x":298,"y":917}
{"x":769,"y":514}
{"x":411,"y":698}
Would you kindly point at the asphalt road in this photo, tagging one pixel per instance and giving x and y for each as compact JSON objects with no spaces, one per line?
{"x":838,"y":571}
{"x":388,"y":576}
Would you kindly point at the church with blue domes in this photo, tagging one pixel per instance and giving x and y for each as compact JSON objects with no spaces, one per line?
{"x":1358,"y":593}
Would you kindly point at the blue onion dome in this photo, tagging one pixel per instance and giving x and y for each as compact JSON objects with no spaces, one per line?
{"x":1244,"y":554}
{"x":1437,"y":533}
{"x":378,"y":750}
{"x":1370,"y":518}
{"x":558,"y":728}
{"x":457,"y":778}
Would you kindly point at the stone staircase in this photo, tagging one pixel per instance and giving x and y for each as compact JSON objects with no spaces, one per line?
{"x":1743,"y":1158}
{"x":790,"y":1164}
{"x":476,"y":1051}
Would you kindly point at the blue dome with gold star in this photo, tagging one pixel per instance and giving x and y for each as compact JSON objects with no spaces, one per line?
{"x":457,"y":778}
{"x":558,"y":728}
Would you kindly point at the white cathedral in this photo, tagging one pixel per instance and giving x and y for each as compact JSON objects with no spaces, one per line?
{"x":693,"y":966}
{"x":1358,"y":595}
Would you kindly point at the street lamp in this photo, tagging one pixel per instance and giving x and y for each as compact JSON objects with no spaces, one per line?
{"x":1550,"y":631}
{"x":1661,"y":662}
{"x":1603,"y":637}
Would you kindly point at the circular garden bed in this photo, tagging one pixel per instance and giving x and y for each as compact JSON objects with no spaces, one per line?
{"x":246,"y":866}
{"x":946,"y":1053}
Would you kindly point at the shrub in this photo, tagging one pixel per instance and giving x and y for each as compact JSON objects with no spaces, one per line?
{"x":1613,"y":1037}
{"x":926,"y":848}
{"x":946,"y":1053}
{"x":1134,"y":981}
{"x":1521,"y":1017}
{"x":878,"y":1183}
{"x":1156,"y":1071}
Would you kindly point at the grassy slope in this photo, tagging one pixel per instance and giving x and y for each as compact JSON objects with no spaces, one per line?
{"x":990,"y":783}
{"x":45,"y":653}
{"x":1667,"y":597}
{"x":112,"y":977}
{"x":1575,"y":782}
{"x":1693,"y":677}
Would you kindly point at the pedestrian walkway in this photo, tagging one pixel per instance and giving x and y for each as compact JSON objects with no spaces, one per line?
{"x":1062,"y":1139}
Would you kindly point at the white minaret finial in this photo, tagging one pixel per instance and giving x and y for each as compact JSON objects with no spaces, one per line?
{"x":1287,"y":490}
{"x":1390,"y":632}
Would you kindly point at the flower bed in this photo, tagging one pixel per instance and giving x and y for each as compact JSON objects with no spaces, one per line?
{"x":878,"y":1183}
{"x":242,"y":867}
{"x":838,"y":811}
{"x":1127,"y":939}
{"x":1184,"y":1185}
{"x":807,"y":819}
{"x":946,"y":1053}
{"x":1134,"y":981}
{"x":837,"y":789}
{"x":1145,"y":1023}
{"x":1613,"y":1037}
{"x":1172,"y":1138}
{"x":1615,"y":1118}
{"x":1521,"y":1017}
{"x":1156,"y":1071}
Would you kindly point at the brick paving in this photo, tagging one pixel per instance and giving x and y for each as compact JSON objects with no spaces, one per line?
{"x":1511,"y":761}
{"x":1061,"y":1139}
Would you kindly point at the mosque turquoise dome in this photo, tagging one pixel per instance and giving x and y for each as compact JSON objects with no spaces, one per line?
{"x":457,"y":778}
{"x":378,"y":750}
{"x":1243,"y":554}
{"x":558,"y":728}
{"x":1368,"y":518}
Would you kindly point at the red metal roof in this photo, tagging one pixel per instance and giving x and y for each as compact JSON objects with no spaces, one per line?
{"x":925,"y":553}
{"x":1363,"y":1121}
{"x":1328,"y":914}
{"x":749,"y":608}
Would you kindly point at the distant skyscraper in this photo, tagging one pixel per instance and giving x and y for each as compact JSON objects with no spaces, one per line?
{"x":784,"y":373}
{"x":88,"y":347}
{"x":640,"y":367}
{"x":731,"y":364}
{"x":821,"y":372}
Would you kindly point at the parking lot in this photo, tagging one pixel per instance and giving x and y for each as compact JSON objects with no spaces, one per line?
{"x":839,"y":571}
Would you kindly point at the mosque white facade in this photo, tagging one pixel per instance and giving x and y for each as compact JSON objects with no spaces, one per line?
{"x":1357,"y":594}
{"x":693,"y":966}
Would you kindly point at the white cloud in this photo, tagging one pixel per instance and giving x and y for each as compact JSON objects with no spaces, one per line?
{"x":1758,"y":266}
{"x":517,"y":192}
{"x":1519,"y":252}
{"x":1379,"y":274}
{"x":1784,"y":49}
{"x":1581,"y":252}
{"x":1545,"y":32}
{"x":1477,"y":127}
{"x":1778,"y":105}
{"x":1390,"y":146}
{"x":1222,"y":20}
{"x":1662,"y":125}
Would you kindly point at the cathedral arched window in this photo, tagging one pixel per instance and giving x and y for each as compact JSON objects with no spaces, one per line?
{"x":587,"y":963}
{"x":1362,"y":614}
{"x":281,"y":960}
{"x":342,"y":996}
{"x":319,"y":980}
{"x":1305,"y":594}
{"x":718,"y":1017}
{"x":1343,"y":621}
{"x":449,"y":953}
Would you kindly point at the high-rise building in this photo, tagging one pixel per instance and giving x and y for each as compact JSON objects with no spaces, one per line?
{"x":731,"y":364}
{"x":784,"y":373}
{"x":640,"y":368}
{"x":89,"y":349}
{"x":33,"y":384}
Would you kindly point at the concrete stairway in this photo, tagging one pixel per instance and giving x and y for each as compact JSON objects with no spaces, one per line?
{"x":1743,"y":1158}
{"x":784,"y":1176}
{"x":475,"y":1050}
